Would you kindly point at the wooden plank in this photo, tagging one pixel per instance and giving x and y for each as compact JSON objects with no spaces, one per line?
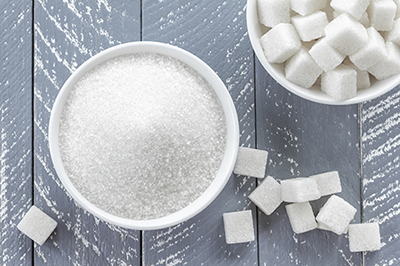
{"x":66,"y":34}
{"x":380,"y":171}
{"x":15,"y":129}
{"x":305,"y":138}
{"x":215,"y":31}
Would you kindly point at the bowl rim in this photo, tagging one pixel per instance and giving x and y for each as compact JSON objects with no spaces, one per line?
{"x":253,"y":28}
{"x":231,"y":148}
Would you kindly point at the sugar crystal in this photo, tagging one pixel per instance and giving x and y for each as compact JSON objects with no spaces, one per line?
{"x":142,"y":135}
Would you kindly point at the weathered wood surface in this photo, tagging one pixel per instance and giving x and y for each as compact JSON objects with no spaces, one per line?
{"x":15,"y":129}
{"x":380,"y":170}
{"x":302,"y":137}
{"x":66,"y":34}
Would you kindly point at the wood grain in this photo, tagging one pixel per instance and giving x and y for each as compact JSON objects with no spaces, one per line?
{"x":214,"y":31}
{"x":302,"y":138}
{"x":380,"y":126}
{"x":305,"y":138}
{"x":66,"y":34}
{"x":15,"y":130}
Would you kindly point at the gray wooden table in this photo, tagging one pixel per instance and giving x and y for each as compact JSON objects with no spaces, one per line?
{"x":42,"y":42}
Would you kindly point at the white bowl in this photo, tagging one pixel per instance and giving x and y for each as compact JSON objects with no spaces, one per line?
{"x":232,"y":140}
{"x":256,"y":30}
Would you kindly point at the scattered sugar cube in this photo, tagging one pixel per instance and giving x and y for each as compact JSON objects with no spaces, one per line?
{"x":364,"y":237}
{"x":394,"y":34}
{"x":322,"y":226}
{"x":299,"y":190}
{"x":340,"y":83}
{"x":273,"y":12}
{"x":302,"y":70}
{"x":372,"y":53}
{"x":301,"y":217}
{"x":336,"y":214}
{"x":363,"y":79}
{"x":328,"y":183}
{"x":280,"y":43}
{"x":37,"y":225}
{"x":267,"y":196}
{"x":381,"y":14}
{"x":251,"y":162}
{"x":310,"y":27}
{"x":388,"y":67}
{"x":305,"y":7}
{"x":346,"y":34}
{"x":238,"y":227}
{"x":356,"y":8}
{"x":325,"y":55}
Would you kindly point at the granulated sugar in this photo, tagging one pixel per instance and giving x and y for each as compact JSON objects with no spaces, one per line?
{"x":142,"y":136}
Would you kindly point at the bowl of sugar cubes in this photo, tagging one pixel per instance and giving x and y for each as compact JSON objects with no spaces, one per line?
{"x":144,"y":135}
{"x":334,"y":52}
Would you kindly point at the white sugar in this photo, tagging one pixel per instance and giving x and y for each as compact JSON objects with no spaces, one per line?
{"x":364,"y":237}
{"x":142,"y":136}
{"x":37,"y":225}
{"x":238,"y":227}
{"x":299,"y":189}
{"x":301,"y":217}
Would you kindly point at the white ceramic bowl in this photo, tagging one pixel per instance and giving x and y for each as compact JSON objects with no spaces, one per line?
{"x":256,"y":30}
{"x":228,"y":161}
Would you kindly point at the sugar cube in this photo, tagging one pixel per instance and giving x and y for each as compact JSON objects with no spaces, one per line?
{"x":37,"y":225}
{"x":302,"y":70}
{"x":394,"y":34}
{"x":364,"y":237}
{"x":273,"y":12}
{"x":336,"y":214}
{"x":305,"y":7}
{"x":363,"y":79}
{"x":373,"y":52}
{"x":251,"y":162}
{"x":356,"y":8}
{"x":301,"y":217}
{"x":238,"y":227}
{"x":267,"y":196}
{"x":381,"y":14}
{"x":346,"y":34}
{"x":325,"y":55}
{"x":280,"y":43}
{"x":340,"y":83}
{"x":310,"y":27}
{"x":328,"y":183}
{"x":299,"y":190}
{"x":388,"y":67}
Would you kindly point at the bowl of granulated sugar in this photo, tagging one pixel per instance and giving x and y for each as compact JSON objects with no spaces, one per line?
{"x":144,"y":135}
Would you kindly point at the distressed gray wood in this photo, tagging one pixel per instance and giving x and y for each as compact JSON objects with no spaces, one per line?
{"x":305,"y":138}
{"x":302,"y":138}
{"x":380,"y":168}
{"x":15,"y":129}
{"x":66,"y":34}
{"x":215,"y":31}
